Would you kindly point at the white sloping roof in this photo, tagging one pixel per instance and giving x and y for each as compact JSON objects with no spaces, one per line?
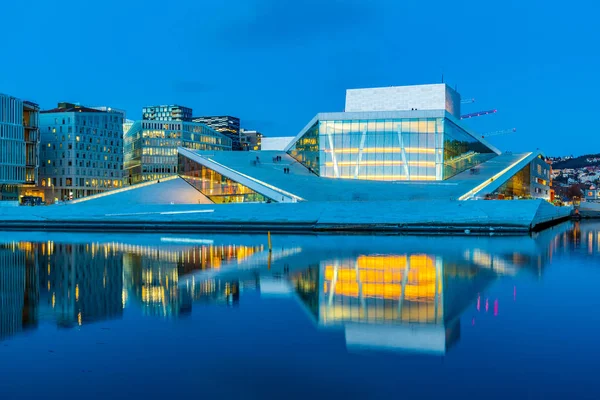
{"x":267,"y":176}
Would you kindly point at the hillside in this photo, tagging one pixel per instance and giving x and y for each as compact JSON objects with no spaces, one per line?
{"x":577,"y":162}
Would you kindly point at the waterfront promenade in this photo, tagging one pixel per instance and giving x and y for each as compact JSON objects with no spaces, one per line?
{"x":434,"y":216}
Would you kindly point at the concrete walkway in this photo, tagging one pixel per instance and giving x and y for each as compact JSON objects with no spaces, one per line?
{"x":377,"y":216}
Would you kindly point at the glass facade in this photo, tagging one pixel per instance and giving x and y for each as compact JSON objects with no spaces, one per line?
{"x":532,"y":181}
{"x":462,"y":151}
{"x":151,"y":147}
{"x":306,"y":149}
{"x":519,"y":186}
{"x":389,"y":149}
{"x":218,"y":188}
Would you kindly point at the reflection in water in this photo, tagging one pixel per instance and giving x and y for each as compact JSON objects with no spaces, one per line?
{"x":407,"y":302}
{"x":80,"y":283}
{"x":19,"y":291}
{"x":394,"y":293}
{"x":152,"y":275}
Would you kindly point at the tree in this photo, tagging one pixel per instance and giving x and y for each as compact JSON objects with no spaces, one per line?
{"x":574,"y":191}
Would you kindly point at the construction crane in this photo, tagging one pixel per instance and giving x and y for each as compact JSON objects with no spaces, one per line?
{"x":478,"y":114}
{"x":501,"y":132}
{"x":467,"y":101}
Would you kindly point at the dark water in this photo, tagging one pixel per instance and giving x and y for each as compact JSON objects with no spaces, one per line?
{"x":207,"y":316}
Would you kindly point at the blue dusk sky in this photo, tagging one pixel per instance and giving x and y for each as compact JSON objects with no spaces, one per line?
{"x":276,"y":63}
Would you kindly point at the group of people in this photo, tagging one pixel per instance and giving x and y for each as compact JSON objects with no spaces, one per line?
{"x":286,"y":170}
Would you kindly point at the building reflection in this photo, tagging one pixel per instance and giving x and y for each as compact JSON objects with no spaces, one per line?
{"x":19,"y":293}
{"x":394,"y":302}
{"x":152,"y":275}
{"x":80,"y":283}
{"x":379,"y":297}
{"x":582,"y":239}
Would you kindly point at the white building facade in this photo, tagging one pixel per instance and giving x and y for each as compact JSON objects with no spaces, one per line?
{"x":404,"y":98}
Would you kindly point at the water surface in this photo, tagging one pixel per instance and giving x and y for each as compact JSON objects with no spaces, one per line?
{"x":205,"y":316}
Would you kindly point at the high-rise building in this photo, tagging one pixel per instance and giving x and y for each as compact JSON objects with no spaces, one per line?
{"x":19,"y":146}
{"x":167,"y":113}
{"x":227,"y":125}
{"x":250,"y":140}
{"x":81,"y":151}
{"x":151,"y":147}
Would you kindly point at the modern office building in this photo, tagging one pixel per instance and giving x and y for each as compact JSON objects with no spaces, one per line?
{"x":250,"y":140}
{"x":225,"y":124}
{"x":81,"y":151}
{"x":167,"y":113}
{"x":151,"y":147}
{"x":19,"y":147}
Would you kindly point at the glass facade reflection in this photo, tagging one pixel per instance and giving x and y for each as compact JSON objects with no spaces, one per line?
{"x":389,"y":149}
{"x":461,"y":150}
{"x":218,"y":188}
{"x":516,"y":187}
{"x":151,"y":147}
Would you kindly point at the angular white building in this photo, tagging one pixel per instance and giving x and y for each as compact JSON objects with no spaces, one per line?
{"x":387,"y":136}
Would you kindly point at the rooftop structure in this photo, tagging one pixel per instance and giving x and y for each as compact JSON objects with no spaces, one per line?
{"x":404,"y":98}
{"x":111,"y":109}
{"x":167,"y":113}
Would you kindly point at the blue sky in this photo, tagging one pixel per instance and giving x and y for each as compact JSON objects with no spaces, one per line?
{"x":276,"y":63}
